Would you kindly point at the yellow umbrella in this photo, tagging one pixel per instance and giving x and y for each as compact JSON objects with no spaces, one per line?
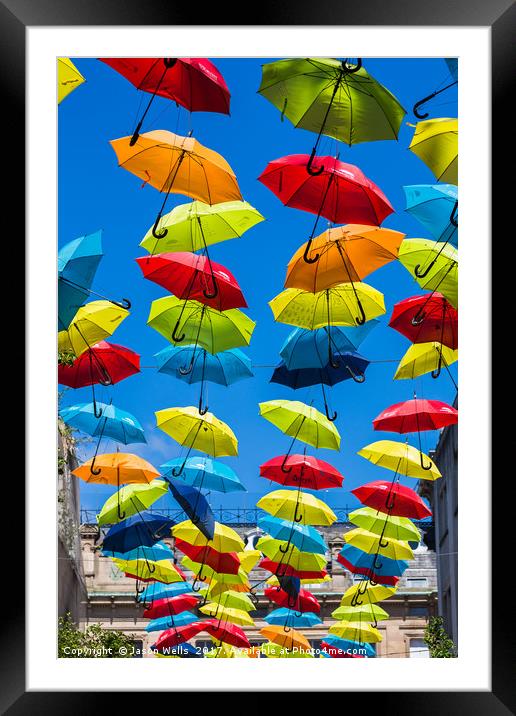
{"x":435,"y":141}
{"x":423,"y":358}
{"x":366,"y":593}
{"x":248,"y":559}
{"x":229,"y":599}
{"x":373,"y":544}
{"x":302,"y":422}
{"x":360,"y":632}
{"x":202,"y":570}
{"x":433,"y":264}
{"x":68,"y":78}
{"x":202,"y":432}
{"x":380,"y":523}
{"x":225,"y":538}
{"x":227,"y":614}
{"x":157,"y":571}
{"x":366,"y":612}
{"x":308,"y":580}
{"x":300,"y":561}
{"x":129,"y":500}
{"x":286,"y":640}
{"x":217,"y":588}
{"x":402,"y":458}
{"x":296,"y":505}
{"x":91,"y":324}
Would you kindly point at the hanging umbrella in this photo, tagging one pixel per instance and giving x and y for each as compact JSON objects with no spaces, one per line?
{"x":426,"y":318}
{"x":300,"y":561}
{"x":129,"y":500}
{"x":196,"y":507}
{"x":366,"y":593}
{"x":177,"y":635}
{"x":435,"y":142}
{"x":309,"y":348}
{"x":366,"y":612}
{"x":452,"y":65}
{"x":156,"y":553}
{"x":117,"y":469}
{"x":434,"y":265}
{"x":423,"y":358}
{"x":226,"y":633}
{"x":115,"y":423}
{"x":203,"y":472}
{"x":196,"y":225}
{"x":292,"y":619}
{"x":302,"y":507}
{"x":77,"y":263}
{"x":279,"y":579}
{"x":291,"y":640}
{"x":156,"y":591}
{"x":230,"y":599}
{"x":379,"y":570}
{"x":170,"y":606}
{"x":304,"y":602}
{"x":227,"y":614}
{"x":225,"y":539}
{"x":304,"y":537}
{"x":178,"y":620}
{"x":371,"y":543}
{"x":143,"y":529}
{"x":402,"y":458}
{"x":144,"y":570}
{"x":192,"y":82}
{"x":394,"y":498}
{"x":332,"y":97}
{"x":342,"y":254}
{"x":280,"y":569}
{"x":68,"y":78}
{"x":104,"y":363}
{"x":353,"y":647}
{"x":305,"y":471}
{"x":356,"y":631}
{"x":195,"y":277}
{"x":178,"y":165}
{"x":222,"y":562}
{"x":435,"y":206}
{"x":380,"y":523}
{"x":92,"y":322}
{"x":349,"y":366}
{"x":302,"y":422}
{"x":414,"y":415}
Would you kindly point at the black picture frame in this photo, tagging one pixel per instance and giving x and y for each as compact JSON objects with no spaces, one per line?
{"x":15,"y":17}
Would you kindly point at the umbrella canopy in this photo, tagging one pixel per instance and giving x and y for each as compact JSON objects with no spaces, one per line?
{"x":402,"y":458}
{"x":333,"y":98}
{"x":222,"y":562}
{"x":398,"y":500}
{"x":414,"y":415}
{"x":356,"y":631}
{"x":227,"y":614}
{"x":196,"y":507}
{"x":291,"y":640}
{"x":380,"y":523}
{"x":366,"y":593}
{"x":309,"y":349}
{"x":305,"y":472}
{"x":112,"y":423}
{"x":131,"y":499}
{"x":304,"y":602}
{"x":426,"y":318}
{"x":340,"y":192}
{"x":342,"y":254}
{"x":422,"y":358}
{"x":203,"y":472}
{"x":230,"y":599}
{"x":117,"y":469}
{"x":142,"y":569}
{"x":197,"y":323}
{"x":226,"y":633}
{"x":352,"y":648}
{"x":92,"y":322}
{"x":169,"y":606}
{"x":155,"y":552}
{"x":225,"y":539}
{"x":304,"y":537}
{"x":77,"y":263}
{"x":302,"y":422}
{"x":224,"y":368}
{"x":435,"y":141}
{"x":177,"y":635}
{"x":196,"y":277}
{"x":285,"y":570}
{"x":366,"y":612}
{"x":287,"y":504}
{"x":68,"y":78}
{"x":168,"y":622}
{"x":155,"y":590}
{"x":300,"y":561}
{"x":137,"y":531}
{"x":105,"y":363}
{"x":293,"y":619}
{"x":343,"y":305}
{"x":202,"y":432}
{"x":435,"y":206}
{"x":434,"y":264}
{"x":372,"y":544}
{"x":196,"y":225}
{"x":380,"y":570}
{"x":349,"y":366}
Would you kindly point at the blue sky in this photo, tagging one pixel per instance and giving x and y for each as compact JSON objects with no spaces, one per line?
{"x":94,"y":193}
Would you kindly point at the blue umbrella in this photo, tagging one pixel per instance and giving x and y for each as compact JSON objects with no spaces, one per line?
{"x":146,"y":529}
{"x":157,"y":590}
{"x":435,"y":206}
{"x":309,"y":349}
{"x":353,"y":558}
{"x":204,"y":472}
{"x":155,"y":553}
{"x":77,"y":263}
{"x":304,"y":537}
{"x":293,"y":619}
{"x":113,"y":422}
{"x":170,"y":622}
{"x":349,"y":365}
{"x":355,"y":646}
{"x":196,"y":506}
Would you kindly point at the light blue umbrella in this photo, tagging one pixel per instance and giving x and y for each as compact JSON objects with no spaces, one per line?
{"x":304,"y":537}
{"x":355,"y":646}
{"x":309,"y":349}
{"x":435,"y":206}
{"x":113,"y":422}
{"x":224,"y":368}
{"x":77,"y":263}
{"x":157,"y":590}
{"x":203,"y":472}
{"x":170,"y":622}
{"x":360,"y":562}
{"x":155,"y":553}
{"x":293,"y":619}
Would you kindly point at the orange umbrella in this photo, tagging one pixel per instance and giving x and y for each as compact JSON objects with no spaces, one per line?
{"x":342,"y":255}
{"x":180,"y":165}
{"x":286,"y":639}
{"x":116,"y":469}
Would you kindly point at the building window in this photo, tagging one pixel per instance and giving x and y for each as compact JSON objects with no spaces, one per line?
{"x":417,"y":581}
{"x":418,"y":611}
{"x":418,"y":649}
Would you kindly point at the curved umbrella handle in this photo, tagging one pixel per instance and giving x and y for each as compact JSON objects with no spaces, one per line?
{"x":355,"y":601}
{"x":208,"y":294}
{"x":331,"y":418}
{"x":309,"y":167}
{"x":284,"y":467}
{"x":376,"y":564}
{"x":136,"y":133}
{"x":298,"y":614}
{"x":196,"y":587}
{"x":419,"y":104}
{"x":418,"y":319}
{"x":125,"y":303}
{"x":284,"y":548}
{"x":422,"y":274}
{"x":105,"y":381}
{"x":375,"y":623}
{"x":177,"y":471}
{"x":453,"y":216}
{"x":351,"y":70}
{"x":362,"y":318}
{"x":121,"y":516}
{"x":286,"y":629}
{"x":297,"y":518}
{"x":425,"y":467}
{"x":98,"y":414}
{"x":159,"y":234}
{"x":93,"y":470}
{"x":358,"y":378}
{"x":175,"y":337}
{"x":382,"y":543}
{"x":306,"y":258}
{"x":169,"y":62}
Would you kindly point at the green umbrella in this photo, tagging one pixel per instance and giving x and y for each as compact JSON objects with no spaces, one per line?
{"x":131,"y":499}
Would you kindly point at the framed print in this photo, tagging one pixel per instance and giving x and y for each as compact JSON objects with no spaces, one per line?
{"x":244,"y":433}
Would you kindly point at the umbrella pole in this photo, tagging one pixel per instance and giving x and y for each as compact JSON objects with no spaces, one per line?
{"x":121,"y":515}
{"x":186,"y":371}
{"x":168,"y":62}
{"x":423,"y":101}
{"x":425,"y":467}
{"x":362,"y":318}
{"x":177,"y":472}
{"x":202,"y":410}
{"x":93,"y":469}
{"x":333,"y":417}
{"x":331,"y":360}
{"x":215,"y":287}
{"x":306,"y":258}
{"x":436,"y":373}
{"x":124,"y":303}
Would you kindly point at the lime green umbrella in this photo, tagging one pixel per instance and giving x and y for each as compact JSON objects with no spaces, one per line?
{"x":295,"y":558}
{"x":363,"y":612}
{"x":196,"y":225}
{"x":302,"y":422}
{"x":196,"y":323}
{"x":230,"y":599}
{"x":297,"y":506}
{"x":129,"y":500}
{"x":380,"y":523}
{"x":433,"y":264}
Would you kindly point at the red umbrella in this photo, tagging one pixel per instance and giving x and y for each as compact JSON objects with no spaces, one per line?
{"x":285,"y":570}
{"x":178,"y":635}
{"x":367,"y":572}
{"x":301,"y":471}
{"x":195,"y":277}
{"x":227,"y":633}
{"x":426,"y":318}
{"x":105,"y":363}
{"x":393,"y":498}
{"x":305,"y":601}
{"x":193,"y":82}
{"x":169,"y":606}
{"x":338,"y":653}
{"x":222,"y":562}
{"x":414,"y":415}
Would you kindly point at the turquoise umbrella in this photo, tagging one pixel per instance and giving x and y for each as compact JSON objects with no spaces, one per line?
{"x":153,"y":553}
{"x":170,"y":622}
{"x":203,"y":472}
{"x":158,"y":590}
{"x":292,"y":619}
{"x":304,"y":537}
{"x":435,"y":206}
